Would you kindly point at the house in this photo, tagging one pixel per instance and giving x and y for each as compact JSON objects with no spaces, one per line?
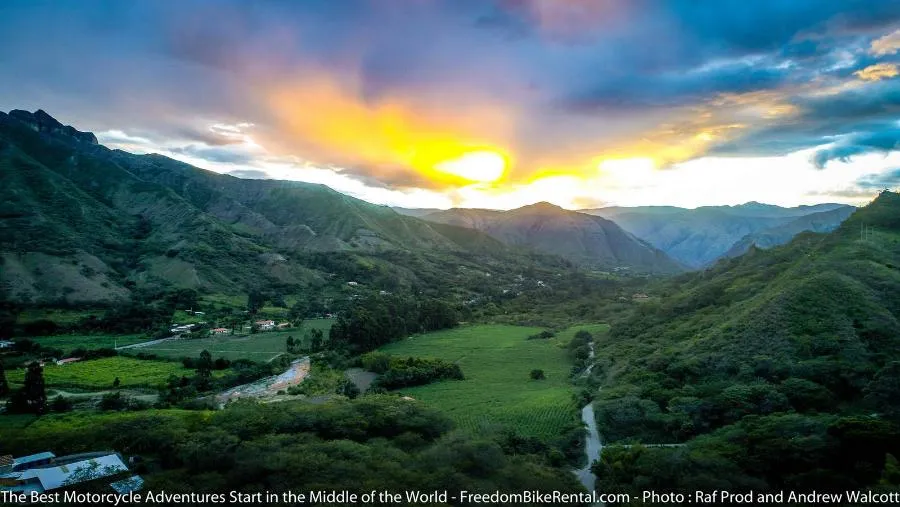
{"x":55,"y":476}
{"x":6,"y":344}
{"x":640,"y":297}
{"x":184,"y":328}
{"x":265,"y":325}
{"x":352,"y":284}
{"x":32,"y":460}
{"x":384,"y":293}
{"x":68,"y":360}
{"x":219,"y":330}
{"x":283,"y":325}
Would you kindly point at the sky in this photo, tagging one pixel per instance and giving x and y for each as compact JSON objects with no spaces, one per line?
{"x":483,"y":103}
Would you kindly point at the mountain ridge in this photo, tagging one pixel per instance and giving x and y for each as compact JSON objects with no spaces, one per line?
{"x":582,"y":238}
{"x":81,"y":223}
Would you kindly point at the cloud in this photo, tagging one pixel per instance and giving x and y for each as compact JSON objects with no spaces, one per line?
{"x":251,"y":174}
{"x":383,"y":93}
{"x":221,"y":154}
{"x":884,"y":141}
{"x":878,"y":71}
{"x":889,"y":179}
{"x":887,"y":45}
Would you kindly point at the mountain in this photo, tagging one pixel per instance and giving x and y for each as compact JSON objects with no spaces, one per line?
{"x":582,"y":238}
{"x":83,"y":224}
{"x":415,"y":212}
{"x":780,"y":369}
{"x":823,"y":221}
{"x":698,"y":237}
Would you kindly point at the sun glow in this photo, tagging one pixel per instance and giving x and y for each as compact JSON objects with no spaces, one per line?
{"x":628,"y":171}
{"x":482,"y":166}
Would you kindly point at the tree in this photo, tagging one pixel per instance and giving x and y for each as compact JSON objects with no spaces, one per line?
{"x":255,"y":301}
{"x":316,"y":337}
{"x":34,"y":390}
{"x":60,"y":404}
{"x":4,"y":386}
{"x":348,"y":389}
{"x":116,"y":383}
{"x":204,"y":371}
{"x":290,"y":344}
{"x":298,"y":312}
{"x":537,"y":375}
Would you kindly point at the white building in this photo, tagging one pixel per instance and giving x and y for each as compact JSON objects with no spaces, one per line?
{"x":47,"y":477}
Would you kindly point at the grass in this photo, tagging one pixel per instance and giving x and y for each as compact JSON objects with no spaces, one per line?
{"x":496,"y":361}
{"x":99,"y":374}
{"x":70,"y":342}
{"x":257,"y":347}
{"x":62,"y":317}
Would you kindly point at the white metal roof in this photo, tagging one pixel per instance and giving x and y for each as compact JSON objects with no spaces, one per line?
{"x":55,"y":477}
{"x":31,"y":458}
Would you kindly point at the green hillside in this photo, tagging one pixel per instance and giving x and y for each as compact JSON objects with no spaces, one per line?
{"x":82,"y":225}
{"x":796,"y":346}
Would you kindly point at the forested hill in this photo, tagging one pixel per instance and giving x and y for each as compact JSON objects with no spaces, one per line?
{"x":83,"y":224}
{"x":781,"y":368}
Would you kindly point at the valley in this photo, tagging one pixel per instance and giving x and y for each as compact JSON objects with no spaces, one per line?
{"x":219,"y":327}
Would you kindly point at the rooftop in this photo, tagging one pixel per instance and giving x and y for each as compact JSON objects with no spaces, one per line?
{"x":89,"y":469}
{"x":31,"y":458}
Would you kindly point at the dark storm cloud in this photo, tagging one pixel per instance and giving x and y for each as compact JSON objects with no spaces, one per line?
{"x":883,"y":141}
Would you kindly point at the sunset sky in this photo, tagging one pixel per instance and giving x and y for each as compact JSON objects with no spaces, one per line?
{"x":483,"y":103}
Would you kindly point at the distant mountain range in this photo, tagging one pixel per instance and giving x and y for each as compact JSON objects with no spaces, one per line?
{"x":692,"y":238}
{"x":823,"y":221}
{"x":582,"y":238}
{"x":699,"y":237}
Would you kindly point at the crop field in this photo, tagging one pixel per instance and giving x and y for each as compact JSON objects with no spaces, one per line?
{"x":256,"y":347}
{"x":99,"y":374}
{"x":69,"y":342}
{"x":496,"y":361}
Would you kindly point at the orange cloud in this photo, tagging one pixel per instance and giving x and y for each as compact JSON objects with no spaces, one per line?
{"x":878,"y":72}
{"x":448,"y":139}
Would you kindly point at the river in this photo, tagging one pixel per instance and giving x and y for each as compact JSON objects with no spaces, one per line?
{"x":592,"y":444}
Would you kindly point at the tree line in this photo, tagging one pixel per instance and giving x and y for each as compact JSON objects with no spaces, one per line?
{"x":372,"y":322}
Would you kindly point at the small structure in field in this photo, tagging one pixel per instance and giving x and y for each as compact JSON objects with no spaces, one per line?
{"x":265,"y":325}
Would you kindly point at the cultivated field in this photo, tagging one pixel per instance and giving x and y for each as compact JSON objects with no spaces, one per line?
{"x":100,"y":373}
{"x":70,"y":342}
{"x":496,"y":361}
{"x":257,"y":347}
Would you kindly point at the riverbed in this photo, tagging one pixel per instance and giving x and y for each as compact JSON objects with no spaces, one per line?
{"x":592,"y":444}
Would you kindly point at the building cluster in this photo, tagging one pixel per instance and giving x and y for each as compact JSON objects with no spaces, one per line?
{"x":184,"y":328}
{"x":44,"y":472}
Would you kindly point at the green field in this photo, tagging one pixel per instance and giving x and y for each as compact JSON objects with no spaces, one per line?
{"x":70,"y":342}
{"x":256,"y":347}
{"x":496,"y":361}
{"x":100,"y":373}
